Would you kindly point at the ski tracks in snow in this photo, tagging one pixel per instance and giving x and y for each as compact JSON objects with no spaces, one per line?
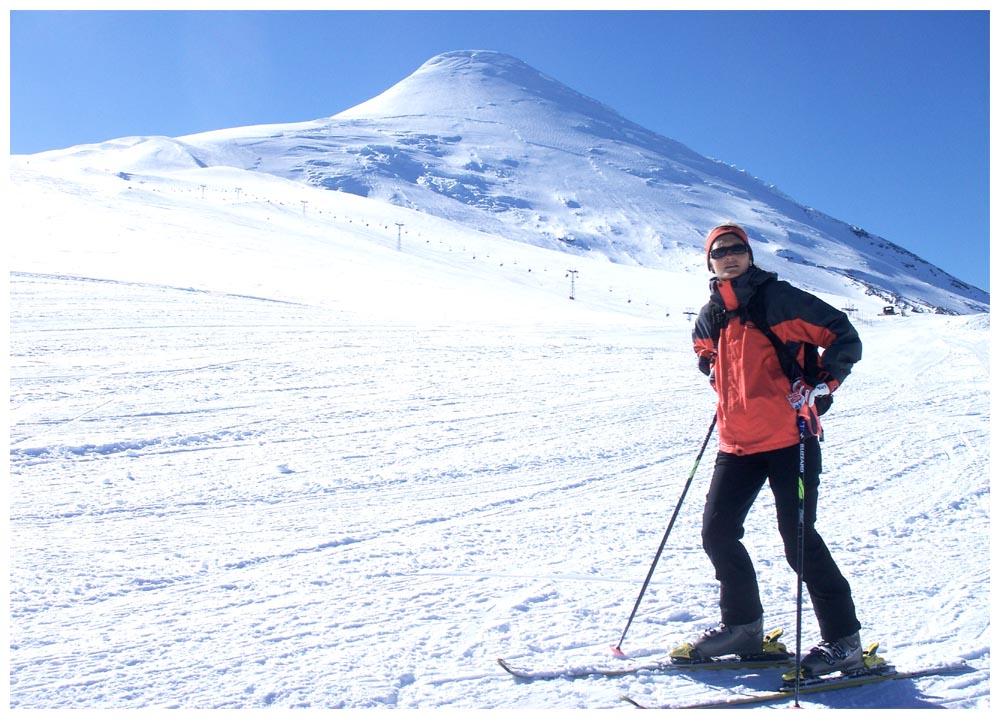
{"x":220,"y":501}
{"x":309,"y":487}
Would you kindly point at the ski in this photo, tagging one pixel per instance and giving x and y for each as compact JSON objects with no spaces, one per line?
{"x":811,"y":686}
{"x":658,"y":665}
{"x":773,"y":654}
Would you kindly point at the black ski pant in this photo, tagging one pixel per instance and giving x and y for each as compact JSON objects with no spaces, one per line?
{"x":736,"y":483}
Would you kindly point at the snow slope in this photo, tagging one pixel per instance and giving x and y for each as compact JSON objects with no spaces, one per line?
{"x":271,"y":449}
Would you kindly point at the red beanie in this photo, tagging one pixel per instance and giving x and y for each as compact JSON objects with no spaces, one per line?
{"x":729,"y":228}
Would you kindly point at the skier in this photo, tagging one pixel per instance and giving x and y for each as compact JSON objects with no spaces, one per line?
{"x":758,"y":409}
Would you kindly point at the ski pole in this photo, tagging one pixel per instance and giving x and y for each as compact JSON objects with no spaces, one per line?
{"x":617,"y":650}
{"x":800,"y":555}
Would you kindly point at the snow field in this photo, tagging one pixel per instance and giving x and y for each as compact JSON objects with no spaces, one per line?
{"x":345,"y":476}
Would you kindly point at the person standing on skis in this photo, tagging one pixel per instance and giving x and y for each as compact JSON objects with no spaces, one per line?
{"x":759,"y":403}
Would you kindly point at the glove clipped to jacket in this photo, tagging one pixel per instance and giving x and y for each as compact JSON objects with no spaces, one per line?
{"x":803,"y":394}
{"x":811,"y":402}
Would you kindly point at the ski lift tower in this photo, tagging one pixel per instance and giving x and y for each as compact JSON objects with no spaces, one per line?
{"x":572,"y":283}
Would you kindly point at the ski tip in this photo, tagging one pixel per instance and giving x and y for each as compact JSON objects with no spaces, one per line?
{"x":617,"y":652}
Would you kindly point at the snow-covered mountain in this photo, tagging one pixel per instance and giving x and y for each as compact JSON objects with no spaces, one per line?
{"x":482,"y":139}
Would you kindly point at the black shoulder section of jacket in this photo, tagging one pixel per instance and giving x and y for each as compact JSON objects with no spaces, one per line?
{"x":777,"y":302}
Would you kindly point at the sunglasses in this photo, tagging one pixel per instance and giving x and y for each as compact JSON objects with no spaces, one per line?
{"x":719,"y":253}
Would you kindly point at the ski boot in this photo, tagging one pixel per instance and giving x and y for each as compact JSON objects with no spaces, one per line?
{"x":844,"y":656}
{"x":743,"y":640}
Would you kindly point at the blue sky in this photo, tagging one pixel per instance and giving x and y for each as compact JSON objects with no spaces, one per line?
{"x":878,"y":118}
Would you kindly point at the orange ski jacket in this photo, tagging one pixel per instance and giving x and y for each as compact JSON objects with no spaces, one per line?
{"x":754,"y":414}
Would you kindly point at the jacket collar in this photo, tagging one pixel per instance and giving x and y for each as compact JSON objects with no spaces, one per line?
{"x":735,"y":293}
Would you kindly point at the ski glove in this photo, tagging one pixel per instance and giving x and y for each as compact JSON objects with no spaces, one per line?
{"x":803,"y":394}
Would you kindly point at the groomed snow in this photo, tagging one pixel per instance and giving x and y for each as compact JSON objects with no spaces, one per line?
{"x":269,"y":449}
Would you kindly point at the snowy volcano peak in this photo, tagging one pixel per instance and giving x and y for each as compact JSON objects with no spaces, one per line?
{"x":474,"y":83}
{"x":482,"y":139}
